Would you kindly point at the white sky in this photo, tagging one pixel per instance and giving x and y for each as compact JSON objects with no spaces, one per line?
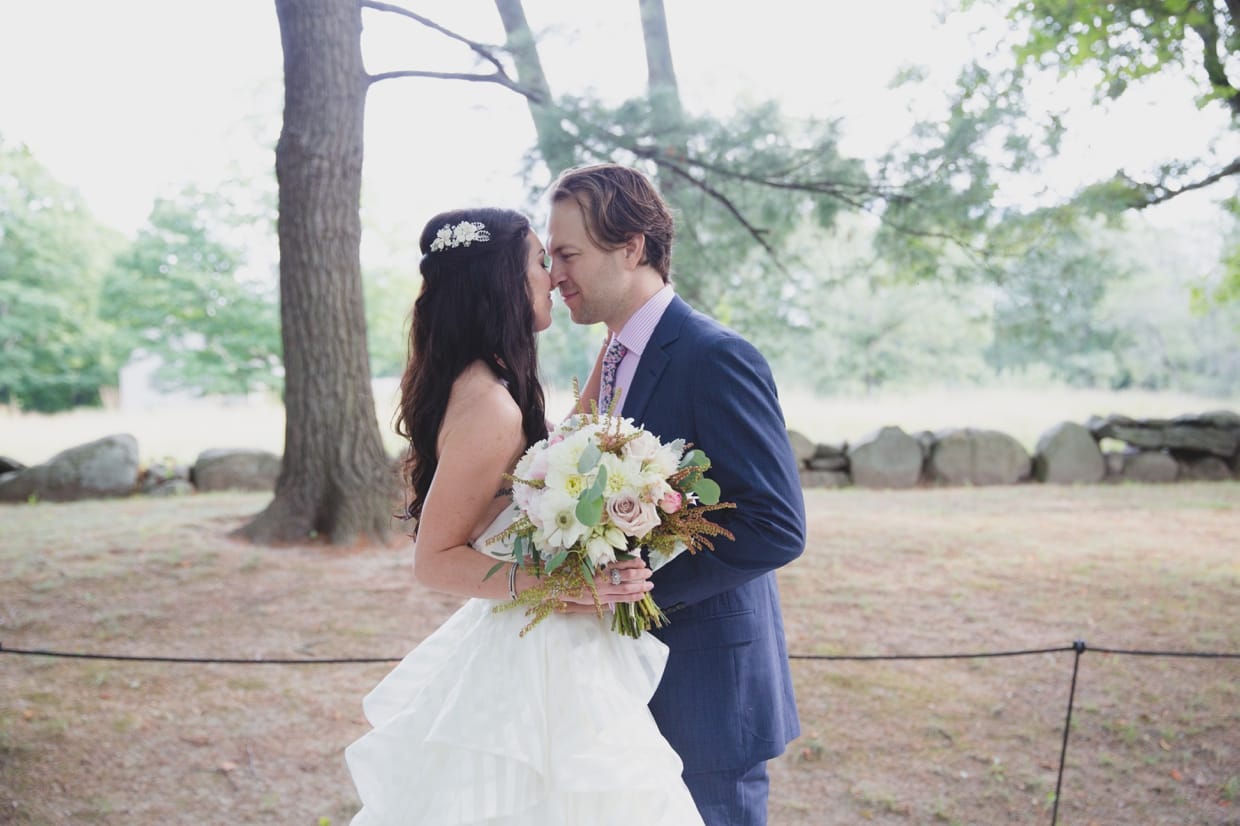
{"x":130,"y":99}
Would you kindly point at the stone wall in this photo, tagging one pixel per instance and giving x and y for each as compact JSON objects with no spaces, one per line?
{"x":1203,"y":447}
{"x":1197,"y":447}
{"x":109,"y":467}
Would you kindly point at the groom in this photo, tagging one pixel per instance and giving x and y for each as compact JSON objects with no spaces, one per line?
{"x":725,"y":702}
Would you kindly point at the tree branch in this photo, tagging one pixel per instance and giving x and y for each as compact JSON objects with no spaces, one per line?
{"x":1216,"y":72}
{"x":727,"y":204}
{"x":1158,"y":193}
{"x":848,"y":193}
{"x":494,"y":77}
{"x":486,"y":52}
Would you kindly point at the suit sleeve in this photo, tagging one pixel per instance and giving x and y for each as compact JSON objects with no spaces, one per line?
{"x":739,"y":425}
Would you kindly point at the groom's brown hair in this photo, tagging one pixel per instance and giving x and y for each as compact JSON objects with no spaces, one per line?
{"x":618,"y":203}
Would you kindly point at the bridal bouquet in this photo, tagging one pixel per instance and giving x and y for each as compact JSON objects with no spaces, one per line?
{"x":599,"y":489}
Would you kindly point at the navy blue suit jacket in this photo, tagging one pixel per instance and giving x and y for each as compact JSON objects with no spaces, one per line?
{"x":725,"y":701}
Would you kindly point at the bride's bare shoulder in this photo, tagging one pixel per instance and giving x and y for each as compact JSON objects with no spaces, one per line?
{"x":480,"y":399}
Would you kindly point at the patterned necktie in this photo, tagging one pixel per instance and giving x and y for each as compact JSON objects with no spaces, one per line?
{"x":611,"y":361}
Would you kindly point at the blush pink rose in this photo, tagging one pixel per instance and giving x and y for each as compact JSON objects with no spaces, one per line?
{"x":631,"y":515}
{"x":538,"y":467}
{"x":671,"y":501}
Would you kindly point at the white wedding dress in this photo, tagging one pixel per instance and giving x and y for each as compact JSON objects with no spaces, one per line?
{"x":478,"y":725}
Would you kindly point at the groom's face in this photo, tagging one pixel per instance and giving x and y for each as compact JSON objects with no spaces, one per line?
{"x":592,"y":281}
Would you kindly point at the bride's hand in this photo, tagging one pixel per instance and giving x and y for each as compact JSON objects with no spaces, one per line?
{"x":634,"y":584}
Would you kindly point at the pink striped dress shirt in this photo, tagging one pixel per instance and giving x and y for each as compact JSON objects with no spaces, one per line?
{"x":635,"y":336}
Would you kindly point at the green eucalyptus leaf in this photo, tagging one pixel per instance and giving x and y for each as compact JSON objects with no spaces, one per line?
{"x":590,"y":505}
{"x":695,"y":458}
{"x":590,"y":510}
{"x":556,"y":561}
{"x":707,"y":491}
{"x":589,"y":458}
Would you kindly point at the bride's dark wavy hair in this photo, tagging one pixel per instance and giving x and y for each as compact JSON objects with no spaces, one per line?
{"x":474,"y":306}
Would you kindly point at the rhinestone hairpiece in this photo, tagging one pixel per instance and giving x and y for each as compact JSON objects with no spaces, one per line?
{"x":461,"y":235}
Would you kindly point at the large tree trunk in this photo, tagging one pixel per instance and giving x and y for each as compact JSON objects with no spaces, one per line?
{"x":554,"y":144}
{"x":661,"y":86}
{"x":336,"y":480}
{"x":668,"y":127}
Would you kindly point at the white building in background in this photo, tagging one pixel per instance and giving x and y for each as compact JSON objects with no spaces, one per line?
{"x":139,"y":393}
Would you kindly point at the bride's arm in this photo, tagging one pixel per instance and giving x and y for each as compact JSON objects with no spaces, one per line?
{"x":480,"y":441}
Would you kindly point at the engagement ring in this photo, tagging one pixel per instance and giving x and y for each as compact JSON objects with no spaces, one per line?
{"x":615,"y":576}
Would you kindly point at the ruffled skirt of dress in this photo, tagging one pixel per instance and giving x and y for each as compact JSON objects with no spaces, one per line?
{"x":480,"y":726}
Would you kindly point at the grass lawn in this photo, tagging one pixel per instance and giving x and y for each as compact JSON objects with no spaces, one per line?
{"x":974,"y":741}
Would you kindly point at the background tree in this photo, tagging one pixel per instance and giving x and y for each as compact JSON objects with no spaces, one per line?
{"x":52,"y":257}
{"x":177,"y":292}
{"x":1120,"y":45}
{"x":1050,"y":313}
{"x":335,"y":479}
{"x":556,"y":145}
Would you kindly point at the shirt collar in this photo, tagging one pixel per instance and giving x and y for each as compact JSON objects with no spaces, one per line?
{"x":636,"y":333}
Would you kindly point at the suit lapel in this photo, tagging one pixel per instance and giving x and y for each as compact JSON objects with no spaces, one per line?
{"x":654,"y":360}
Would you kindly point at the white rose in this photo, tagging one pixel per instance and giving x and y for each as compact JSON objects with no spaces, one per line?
{"x":631,"y":515}
{"x":599,"y":551}
{"x":664,"y":462}
{"x":643,"y":447}
{"x":536,"y":450}
{"x":523,"y":496}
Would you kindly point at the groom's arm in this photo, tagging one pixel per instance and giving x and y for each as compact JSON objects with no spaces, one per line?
{"x":739,"y":425}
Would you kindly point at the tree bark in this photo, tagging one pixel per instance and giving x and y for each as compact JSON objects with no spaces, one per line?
{"x":336,"y":480}
{"x":667,"y":128}
{"x":661,"y":84}
{"x":554,"y":144}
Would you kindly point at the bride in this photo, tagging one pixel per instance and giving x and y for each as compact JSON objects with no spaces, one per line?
{"x":478,"y":724}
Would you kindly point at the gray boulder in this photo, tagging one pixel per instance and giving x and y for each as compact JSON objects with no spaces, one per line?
{"x":1212,"y":433}
{"x":925,"y":440}
{"x":1207,"y":469}
{"x":802,"y":447}
{"x":235,"y":469}
{"x":1150,"y":466}
{"x":1115,"y":466}
{"x":160,"y":473}
{"x":829,"y":457}
{"x":1068,"y":454}
{"x":102,"y":468}
{"x":171,"y":487}
{"x":824,"y":479}
{"x":886,"y":458}
{"x":969,"y":456}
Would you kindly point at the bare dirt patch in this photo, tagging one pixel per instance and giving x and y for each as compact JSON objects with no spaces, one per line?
{"x":1154,"y":740}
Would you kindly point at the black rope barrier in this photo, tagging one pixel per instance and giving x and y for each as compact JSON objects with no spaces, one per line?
{"x":1138,"y":653}
{"x":976,"y":656}
{"x":75,"y":655}
{"x":1078,"y":648}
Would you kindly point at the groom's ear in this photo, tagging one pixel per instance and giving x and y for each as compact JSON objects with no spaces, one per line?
{"x":635,"y":251}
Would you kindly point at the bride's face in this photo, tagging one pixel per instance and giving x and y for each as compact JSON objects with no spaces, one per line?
{"x":538,"y":280}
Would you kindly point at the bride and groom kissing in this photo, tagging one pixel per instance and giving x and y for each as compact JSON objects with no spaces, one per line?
{"x":574,"y":724}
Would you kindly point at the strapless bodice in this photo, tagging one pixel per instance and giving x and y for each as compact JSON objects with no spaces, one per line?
{"x":497,"y":550}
